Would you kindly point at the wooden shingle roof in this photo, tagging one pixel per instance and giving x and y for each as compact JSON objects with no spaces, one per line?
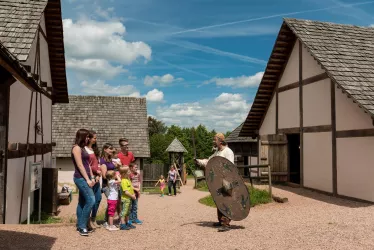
{"x":176,"y":146}
{"x":19,"y":24}
{"x":234,"y":136}
{"x":111,"y":117}
{"x":345,"y":52}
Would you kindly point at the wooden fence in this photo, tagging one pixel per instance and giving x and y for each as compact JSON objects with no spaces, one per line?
{"x":152,"y":172}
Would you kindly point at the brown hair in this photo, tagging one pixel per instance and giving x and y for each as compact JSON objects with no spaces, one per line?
{"x":123,"y":139}
{"x":132,"y":165}
{"x":123,"y":170}
{"x":109,"y":175}
{"x":104,"y":154}
{"x":91,"y":135}
{"x":80,"y":137}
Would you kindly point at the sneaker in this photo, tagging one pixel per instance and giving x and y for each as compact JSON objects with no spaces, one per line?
{"x":124,"y":227}
{"x":224,"y":228}
{"x":90,"y":230}
{"x":83,"y":231}
{"x":131,"y":226}
{"x":112,"y":228}
{"x":105,"y":225}
{"x":137,"y":221}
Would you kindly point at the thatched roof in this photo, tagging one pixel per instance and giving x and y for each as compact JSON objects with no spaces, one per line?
{"x":111,"y":117}
{"x":345,"y":52}
{"x":19,"y":25}
{"x":176,"y":146}
{"x":234,"y":136}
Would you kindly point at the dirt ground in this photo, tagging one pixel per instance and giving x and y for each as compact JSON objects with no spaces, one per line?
{"x":308,"y":221}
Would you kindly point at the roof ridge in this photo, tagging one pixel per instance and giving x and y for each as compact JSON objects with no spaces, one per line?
{"x":287,"y":19}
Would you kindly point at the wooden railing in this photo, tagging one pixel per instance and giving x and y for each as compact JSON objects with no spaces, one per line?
{"x":261,"y":175}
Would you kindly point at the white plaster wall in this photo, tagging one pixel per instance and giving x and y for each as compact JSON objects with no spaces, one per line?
{"x":288,"y":109}
{"x":268,"y":126}
{"x":291,"y":72}
{"x":310,"y":66}
{"x":317,"y":103}
{"x":318,"y":161}
{"x":349,"y":115}
{"x":355,"y":167}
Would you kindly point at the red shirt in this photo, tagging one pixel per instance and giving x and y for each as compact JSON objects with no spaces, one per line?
{"x":126,"y":159}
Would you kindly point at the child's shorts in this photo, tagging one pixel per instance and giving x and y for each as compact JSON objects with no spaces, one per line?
{"x":112,"y":206}
{"x":126,"y":205}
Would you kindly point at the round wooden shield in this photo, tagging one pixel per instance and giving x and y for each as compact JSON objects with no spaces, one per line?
{"x":227,"y":188}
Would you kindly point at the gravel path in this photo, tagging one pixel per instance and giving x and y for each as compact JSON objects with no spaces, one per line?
{"x":308,"y":221}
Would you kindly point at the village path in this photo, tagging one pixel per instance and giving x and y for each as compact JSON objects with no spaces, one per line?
{"x":308,"y":221}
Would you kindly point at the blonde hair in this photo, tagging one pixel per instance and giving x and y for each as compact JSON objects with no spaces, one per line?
{"x":162,"y":177}
{"x":109,"y":175}
{"x":123,"y":170}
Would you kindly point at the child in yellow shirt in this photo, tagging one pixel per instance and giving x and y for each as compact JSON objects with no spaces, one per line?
{"x":162,"y":184}
{"x":127,"y":194}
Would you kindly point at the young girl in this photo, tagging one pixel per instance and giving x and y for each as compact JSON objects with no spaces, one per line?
{"x":162,"y":185}
{"x":113,"y":184}
{"x":116,"y":161}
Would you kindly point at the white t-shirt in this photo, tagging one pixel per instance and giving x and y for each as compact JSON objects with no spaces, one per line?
{"x":226,"y":152}
{"x":113,"y":190}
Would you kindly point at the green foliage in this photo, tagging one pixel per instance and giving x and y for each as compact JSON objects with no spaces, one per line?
{"x":257,"y":197}
{"x":44,"y":217}
{"x":161,"y":137}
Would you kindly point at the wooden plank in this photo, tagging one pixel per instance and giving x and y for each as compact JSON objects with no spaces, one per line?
{"x":333,"y":136}
{"x":355,"y":133}
{"x":314,"y":129}
{"x":289,"y":86}
{"x":307,"y":81}
{"x":301,"y":113}
{"x":289,"y":130}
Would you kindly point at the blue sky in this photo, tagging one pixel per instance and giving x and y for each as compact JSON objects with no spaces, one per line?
{"x":196,"y":61}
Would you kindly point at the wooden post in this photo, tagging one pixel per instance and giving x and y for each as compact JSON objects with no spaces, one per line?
{"x":269,"y":174}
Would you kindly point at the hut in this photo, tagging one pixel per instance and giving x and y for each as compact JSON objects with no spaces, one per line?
{"x":176,"y":151}
{"x":314,"y":109}
{"x":110,"y":116}
{"x":245,"y":149}
{"x":32,"y":70}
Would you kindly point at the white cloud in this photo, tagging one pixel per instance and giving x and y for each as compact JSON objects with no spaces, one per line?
{"x":371,"y":25}
{"x":155,"y":95}
{"x":104,"y":13}
{"x":101,"y":88}
{"x":89,"y":39}
{"x":238,"y":82}
{"x":224,"y":113}
{"x":162,"y":80}
{"x":132,"y":77}
{"x":94,"y":68}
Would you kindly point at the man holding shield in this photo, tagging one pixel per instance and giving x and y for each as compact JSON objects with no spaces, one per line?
{"x":222,"y":150}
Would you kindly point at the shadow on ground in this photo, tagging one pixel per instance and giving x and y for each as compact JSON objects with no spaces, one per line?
{"x":323,"y":197}
{"x":18,"y":240}
{"x":210,"y":224}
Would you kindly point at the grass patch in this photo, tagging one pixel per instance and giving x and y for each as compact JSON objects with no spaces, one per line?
{"x":257,"y":197}
{"x":45,"y":219}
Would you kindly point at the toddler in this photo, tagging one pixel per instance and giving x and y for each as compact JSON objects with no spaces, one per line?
{"x":113,"y":184}
{"x":162,"y":185}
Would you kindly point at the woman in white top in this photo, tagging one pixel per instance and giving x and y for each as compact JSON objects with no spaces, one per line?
{"x":172,"y":180}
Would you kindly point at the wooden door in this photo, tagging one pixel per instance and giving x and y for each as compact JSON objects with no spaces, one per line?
{"x":273,"y":151}
{"x":3,"y":142}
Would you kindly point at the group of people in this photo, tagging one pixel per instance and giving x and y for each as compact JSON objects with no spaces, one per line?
{"x":120,"y":179}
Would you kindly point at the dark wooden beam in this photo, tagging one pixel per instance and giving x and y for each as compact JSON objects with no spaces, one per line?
{"x":317,"y":129}
{"x":289,"y":130}
{"x":27,"y":68}
{"x":301,"y":113}
{"x":355,"y":133}
{"x":49,"y":89}
{"x":333,"y":137}
{"x":307,"y":81}
{"x":43,"y":84}
{"x":42,"y":32}
{"x":33,"y":149}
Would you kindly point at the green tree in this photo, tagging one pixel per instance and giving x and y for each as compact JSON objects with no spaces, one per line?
{"x":155,"y":126}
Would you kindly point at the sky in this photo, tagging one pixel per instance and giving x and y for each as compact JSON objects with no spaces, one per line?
{"x":196,"y":61}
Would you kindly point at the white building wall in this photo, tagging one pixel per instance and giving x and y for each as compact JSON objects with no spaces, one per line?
{"x":268,"y":125}
{"x":288,"y":109}
{"x":291,"y":72}
{"x":19,"y":108}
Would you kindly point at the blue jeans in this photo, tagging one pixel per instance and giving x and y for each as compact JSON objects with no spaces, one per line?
{"x":85,"y":203}
{"x":134,"y":210}
{"x":97,"y":192}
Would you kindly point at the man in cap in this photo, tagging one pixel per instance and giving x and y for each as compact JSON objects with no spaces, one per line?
{"x":222,"y":150}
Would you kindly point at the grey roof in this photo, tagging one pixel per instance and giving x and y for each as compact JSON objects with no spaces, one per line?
{"x":176,"y":146}
{"x":19,"y":21}
{"x":234,"y":136}
{"x":111,"y":117}
{"x":345,"y":51}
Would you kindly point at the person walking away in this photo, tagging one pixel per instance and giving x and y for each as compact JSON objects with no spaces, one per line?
{"x":83,"y":180}
{"x":136,"y":182}
{"x":172,"y":180}
{"x":94,"y":155}
{"x":223,"y":150}
{"x":128,"y":194}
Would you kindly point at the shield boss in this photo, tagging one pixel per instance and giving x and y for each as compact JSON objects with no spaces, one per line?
{"x":227,"y":188}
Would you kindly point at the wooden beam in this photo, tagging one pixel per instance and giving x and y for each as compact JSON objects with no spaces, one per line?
{"x":42,"y":32}
{"x":34,"y":149}
{"x":301,"y":113}
{"x":355,"y":133}
{"x":27,"y":68}
{"x":289,"y":130}
{"x":43,"y":84}
{"x":317,"y":129}
{"x":307,"y":81}
{"x":49,"y":89}
{"x":333,"y":137}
